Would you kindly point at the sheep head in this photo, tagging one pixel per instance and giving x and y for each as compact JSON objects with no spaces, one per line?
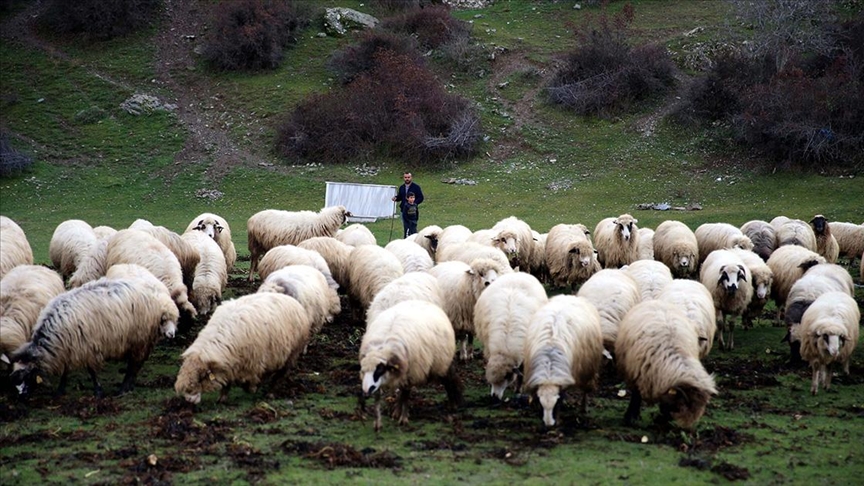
{"x":196,"y":377}
{"x":581,"y":254}
{"x":25,"y":367}
{"x":626,"y":226}
{"x":384,"y":371}
{"x":730,"y":276}
{"x":168,"y":325}
{"x":684,"y":403}
{"x":501,"y":373}
{"x":483,"y":272}
{"x":548,"y":396}
{"x":820,"y":225}
{"x":210,"y":227}
{"x":829,"y":344}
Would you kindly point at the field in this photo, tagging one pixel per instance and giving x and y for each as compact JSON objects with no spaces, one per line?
{"x":60,"y":100}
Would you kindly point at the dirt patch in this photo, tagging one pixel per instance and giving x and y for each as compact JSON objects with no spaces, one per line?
{"x":334,"y":454}
{"x":251,"y":460}
{"x":749,"y":375}
{"x":86,"y":408}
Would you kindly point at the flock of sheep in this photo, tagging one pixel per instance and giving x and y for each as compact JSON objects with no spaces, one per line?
{"x":651,"y":301}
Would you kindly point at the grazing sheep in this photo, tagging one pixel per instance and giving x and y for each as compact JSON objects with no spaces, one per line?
{"x":729,"y":280}
{"x":14,"y":248}
{"x":469,"y":251}
{"x":211,"y":273}
{"x":697,"y":304}
{"x":70,"y":244}
{"x":355,"y":235}
{"x":140,"y":224}
{"x":778,"y":221}
{"x":850,"y":238}
{"x":102,"y":320}
{"x":427,"y":238}
{"x":309,"y":287}
{"x":369,"y":270}
{"x":646,"y":244}
{"x":763,"y":280}
{"x":24,"y":292}
{"x":461,"y":285}
{"x":676,"y":246}
{"x":104,"y":232}
{"x":762,"y":235}
{"x":272,"y":227}
{"x":826,"y":244}
{"x":501,"y":317}
{"x":186,"y":254}
{"x":92,"y":265}
{"x":617,"y":241}
{"x":796,"y":232}
{"x":451,"y":235}
{"x":405,"y":346}
{"x":245,"y":340}
{"x":538,"y":266}
{"x":570,"y":255}
{"x":284,"y":255}
{"x":217,"y":228}
{"x":414,"y":257}
{"x":613,"y":292}
{"x":658,"y":355}
{"x":410,"y":286}
{"x":335,"y":253}
{"x":563,"y":348}
{"x":829,"y":334}
{"x":788,"y":264}
{"x":651,"y":276}
{"x":719,"y":236}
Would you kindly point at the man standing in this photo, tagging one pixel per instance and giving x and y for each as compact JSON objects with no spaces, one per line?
{"x":402,"y":197}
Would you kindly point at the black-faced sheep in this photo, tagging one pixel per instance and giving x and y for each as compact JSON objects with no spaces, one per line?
{"x":850,"y":238}
{"x":272,"y":227}
{"x":829,"y":334}
{"x":762,"y":235}
{"x":501,"y":317}
{"x":335,"y":253}
{"x":410,"y":286}
{"x":469,"y":251}
{"x":788,"y":264}
{"x":355,"y":235}
{"x":284,"y":255}
{"x":370,"y":268}
{"x":651,"y":276}
{"x":729,"y":280}
{"x":245,"y":340}
{"x":676,"y":246}
{"x":796,"y":232}
{"x":217,"y":228}
{"x":451,"y":235}
{"x":617,"y":241}
{"x":698,"y":305}
{"x":211,"y":273}
{"x":613,"y":292}
{"x":14,"y":248}
{"x":563,"y":348}
{"x":826,"y":244}
{"x":405,"y":346}
{"x":414,"y":257}
{"x":309,"y":287}
{"x":570,"y":256}
{"x":70,"y":244}
{"x":24,"y":292}
{"x":763,"y":280}
{"x":646,"y":244}
{"x":427,"y":238}
{"x":719,"y":236}
{"x":102,"y":320}
{"x":658,"y":355}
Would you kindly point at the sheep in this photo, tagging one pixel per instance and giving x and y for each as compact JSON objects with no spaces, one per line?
{"x":186,"y":254}
{"x":778,"y":221}
{"x":762,"y":235}
{"x":335,"y":253}
{"x":461,"y":285}
{"x":369,"y":270}
{"x":613,"y":292}
{"x":284,"y":255}
{"x":140,"y":224}
{"x":410,"y":286}
{"x":469,"y":251}
{"x":272,"y":227}
{"x":719,"y":236}
{"x":92,"y":265}
{"x":14,"y":248}
{"x":829,"y":334}
{"x":657,"y":353}
{"x":676,"y":246}
{"x":355,"y":235}
{"x":651,"y":276}
{"x":850,"y":238}
{"x":513,"y":236}
{"x":405,"y":346}
{"x":697,"y":303}
{"x":763,"y":280}
{"x":24,"y":292}
{"x":216,"y":227}
{"x":729,"y":280}
{"x":309,"y":287}
{"x":245,"y":340}
{"x":788,"y":264}
{"x":414,"y":257}
{"x":861,"y":269}
{"x":104,"y":232}
{"x":826,"y":244}
{"x":646,"y":244}
{"x":570,"y":255}
{"x":537,"y":266}
{"x":563,"y":348}
{"x":70,"y":244}
{"x":102,"y":320}
{"x":617,"y":241}
{"x":211,"y":273}
{"x":451,"y":235}
{"x":427,"y":238}
{"x":501,"y":317}
{"x":796,"y":232}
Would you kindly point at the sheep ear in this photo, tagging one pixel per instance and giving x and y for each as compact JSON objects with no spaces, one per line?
{"x":5,"y":358}
{"x":741,"y":273}
{"x":38,"y":380}
{"x":672,"y":391}
{"x":470,"y":271}
{"x":615,"y":221}
{"x":219,"y":228}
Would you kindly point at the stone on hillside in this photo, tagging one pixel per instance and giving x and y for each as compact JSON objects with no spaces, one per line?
{"x":339,"y":20}
{"x":140,"y":104}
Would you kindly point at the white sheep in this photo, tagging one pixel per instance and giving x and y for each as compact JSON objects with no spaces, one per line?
{"x":762,"y":235}
{"x":570,"y":256}
{"x":410,"y":286}
{"x":613,"y":292}
{"x":469,"y":251}
{"x":719,"y":236}
{"x":14,"y":248}
{"x":24,"y":292}
{"x":140,"y":224}
{"x":829,"y":334}
{"x":186,"y":254}
{"x":778,"y":221}
{"x":284,"y":255}
{"x":729,"y":280}
{"x":104,"y":232}
{"x":335,"y":253}
{"x":70,"y":244}
{"x":427,"y":238}
{"x":245,"y":340}
{"x":216,"y":227}
{"x":788,"y":264}
{"x":646,"y":244}
{"x":651,"y":276}
{"x":501,"y":317}
{"x":309,"y":287}
{"x":355,"y":235}
{"x":850,"y":238}
{"x":657,"y":353}
{"x":369,"y":270}
{"x":826,"y":243}
{"x":272,"y":227}
{"x":102,"y":320}
{"x":405,"y":346}
{"x":451,"y":235}
{"x":676,"y":246}
{"x":762,"y":282}
{"x":696,"y":302}
{"x":617,"y":241}
{"x":414,"y":257}
{"x":796,"y":232}
{"x":563,"y":348}
{"x":538,"y":265}
{"x":211,"y":273}
{"x":513,"y":236}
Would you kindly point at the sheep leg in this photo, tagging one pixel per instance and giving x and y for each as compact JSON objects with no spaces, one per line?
{"x":453,"y":387}
{"x":97,"y":387}
{"x":61,"y":388}
{"x":731,"y":333}
{"x":584,"y":405}
{"x":814,"y":385}
{"x":377,"y":412}
{"x":223,"y":394}
{"x":721,"y":328}
{"x":132,"y":369}
{"x":361,"y":404}
{"x":253,"y":265}
{"x":402,"y":405}
{"x":633,"y":409}
{"x":826,"y":377}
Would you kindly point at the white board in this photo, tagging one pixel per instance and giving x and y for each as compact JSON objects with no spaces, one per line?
{"x":366,"y":202}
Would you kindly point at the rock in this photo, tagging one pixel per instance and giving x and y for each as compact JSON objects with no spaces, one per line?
{"x":140,"y":104}
{"x":339,"y":20}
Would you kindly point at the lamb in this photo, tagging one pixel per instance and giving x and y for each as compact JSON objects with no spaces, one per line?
{"x":369,"y":270}
{"x":617,"y":241}
{"x":461,"y":285}
{"x":24,"y":292}
{"x":335,"y":253}
{"x":651,"y":276}
{"x":70,"y":244}
{"x":646,"y":244}
{"x":217,"y":228}
{"x":14,"y":248}
{"x":427,"y":238}
{"x":826,"y":244}
{"x":613,"y":292}
{"x":451,"y":235}
{"x":355,"y":235}
{"x":563,"y":348}
{"x":405,"y":346}
{"x":410,"y":286}
{"x":186,"y":254}
{"x":658,"y":355}
{"x":469,"y":251}
{"x":829,"y":334}
{"x":272,"y":227}
{"x":414,"y":257}
{"x":719,"y":236}
{"x":284,"y":255}
{"x":211,"y":273}
{"x":763,"y":280}
{"x":102,"y":320}
{"x":309,"y":287}
{"x":850,"y":238}
{"x":788,"y":264}
{"x":676,"y":246}
{"x":245,"y":340}
{"x":796,"y":232}
{"x":762,"y":235}
{"x":570,"y":255}
{"x":501,"y":317}
{"x":729,"y":280}
{"x":697,"y":303}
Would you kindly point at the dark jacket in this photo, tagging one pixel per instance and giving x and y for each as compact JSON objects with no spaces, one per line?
{"x":402,"y":195}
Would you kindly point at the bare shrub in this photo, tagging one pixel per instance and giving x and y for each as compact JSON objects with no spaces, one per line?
{"x":347,"y":63}
{"x":431,"y":26}
{"x":98,"y":19}
{"x":12,"y":161}
{"x":400,"y":5}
